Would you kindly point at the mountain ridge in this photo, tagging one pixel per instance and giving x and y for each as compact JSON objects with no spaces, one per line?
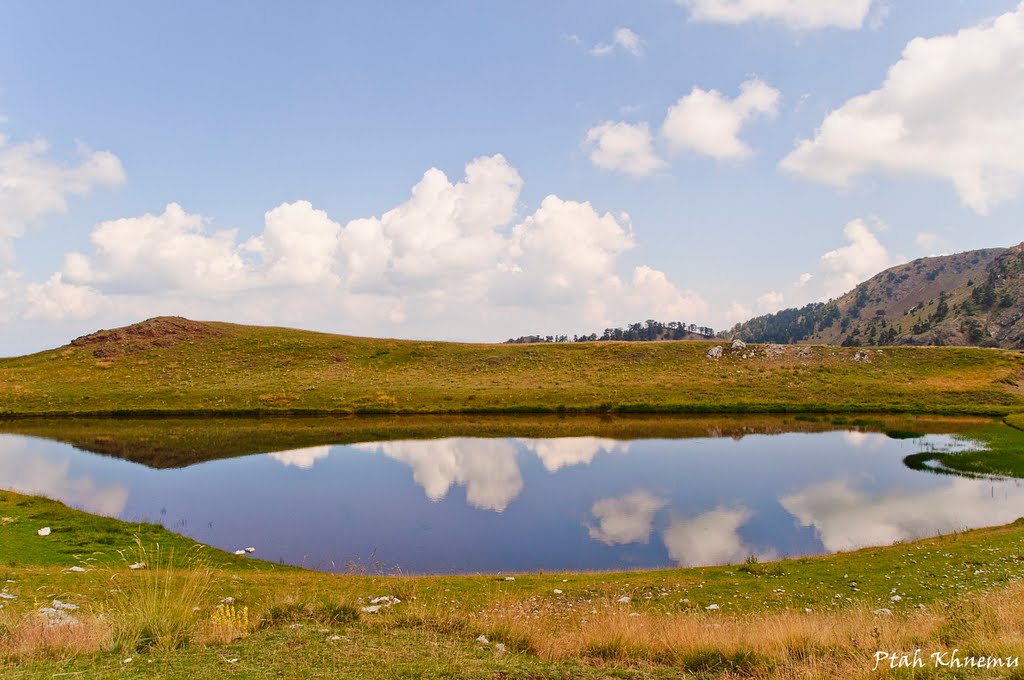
{"x":974,"y":298}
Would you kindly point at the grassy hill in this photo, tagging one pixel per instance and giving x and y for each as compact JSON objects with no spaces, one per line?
{"x":177,"y":366}
{"x":972,"y":298}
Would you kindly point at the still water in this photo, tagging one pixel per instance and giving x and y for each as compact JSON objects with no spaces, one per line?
{"x":516,"y":504}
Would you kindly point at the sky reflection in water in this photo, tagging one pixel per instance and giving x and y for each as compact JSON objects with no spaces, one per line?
{"x":467,"y":505}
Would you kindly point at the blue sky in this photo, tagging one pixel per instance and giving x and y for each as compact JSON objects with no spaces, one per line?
{"x":335,"y":111}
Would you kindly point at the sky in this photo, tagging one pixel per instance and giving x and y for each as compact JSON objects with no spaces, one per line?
{"x":466,"y":170}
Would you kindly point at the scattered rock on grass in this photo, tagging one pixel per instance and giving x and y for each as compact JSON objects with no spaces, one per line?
{"x":45,"y":531}
{"x":715,"y":352}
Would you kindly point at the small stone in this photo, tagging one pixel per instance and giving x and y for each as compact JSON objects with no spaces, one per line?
{"x":128,"y":660}
{"x":738,"y":344}
{"x":372,"y":609}
{"x":499,"y":648}
{"x":334,"y":638}
{"x":45,"y":531}
{"x":624,"y":599}
{"x":239,"y":552}
{"x":510,"y":578}
{"x":250,"y":550}
{"x":882,"y":612}
{"x":715,"y":352}
{"x":228,"y":600}
{"x":483,"y":640}
{"x":712,"y":607}
{"x":77,"y":569}
{"x":895,"y":598}
{"x":137,"y":565}
{"x":557,"y":591}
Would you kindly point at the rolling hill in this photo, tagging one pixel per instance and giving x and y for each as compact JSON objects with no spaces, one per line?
{"x":973,"y":298}
{"x":175,"y":366}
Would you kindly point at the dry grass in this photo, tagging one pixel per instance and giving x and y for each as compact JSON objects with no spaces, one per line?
{"x":788,"y":644}
{"x":32,"y":635}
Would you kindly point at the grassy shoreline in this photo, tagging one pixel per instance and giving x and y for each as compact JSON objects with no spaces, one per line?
{"x":801,"y":617}
{"x":175,"y":367}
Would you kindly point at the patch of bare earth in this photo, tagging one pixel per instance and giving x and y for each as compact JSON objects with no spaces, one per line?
{"x":161,"y":331}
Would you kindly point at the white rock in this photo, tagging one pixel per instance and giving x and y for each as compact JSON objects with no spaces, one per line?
{"x":128,"y":660}
{"x":77,"y":569}
{"x":715,"y":352}
{"x":45,"y":531}
{"x":882,"y":612}
{"x":137,"y":565}
{"x":372,"y":609}
{"x":250,"y":550}
{"x":239,"y":552}
{"x":557,"y":591}
{"x":624,"y":599}
{"x":4,"y":595}
{"x":895,"y":598}
{"x":738,"y":344}
{"x":57,"y":604}
{"x":228,"y":600}
{"x":510,"y":578}
{"x":712,"y":607}
{"x":483,"y":640}
{"x":334,"y":638}
{"x":499,"y":648}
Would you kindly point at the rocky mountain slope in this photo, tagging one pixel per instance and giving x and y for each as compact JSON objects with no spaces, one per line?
{"x":972,"y":298}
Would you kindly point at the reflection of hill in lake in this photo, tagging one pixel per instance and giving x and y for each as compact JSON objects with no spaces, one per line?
{"x":179,"y":442}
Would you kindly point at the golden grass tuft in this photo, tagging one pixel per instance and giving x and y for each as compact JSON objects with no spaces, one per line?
{"x":159,"y":606}
{"x":31,"y":635}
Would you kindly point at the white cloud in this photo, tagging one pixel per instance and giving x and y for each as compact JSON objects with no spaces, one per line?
{"x":952,"y":107}
{"x":37,"y":470}
{"x":804,"y":279}
{"x":795,"y":14}
{"x":622,"y":38}
{"x":567,"y":451}
{"x":770,"y":302}
{"x":708,"y":539}
{"x":847,"y":518}
{"x":33,"y":186}
{"x":304,"y":459}
{"x":707,"y":122}
{"x":452,"y":260}
{"x":627,"y":519}
{"x":56,"y":300}
{"x":863,"y":257}
{"x":486,"y":467}
{"x":738,"y":312}
{"x":624,"y":147}
{"x":931,"y":244}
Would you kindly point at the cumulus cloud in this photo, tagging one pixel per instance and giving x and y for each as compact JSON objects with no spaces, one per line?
{"x":622,"y":39}
{"x":454,"y":259}
{"x":304,"y":459}
{"x":32,"y":185}
{"x":627,"y":519}
{"x":804,"y":279}
{"x":709,"y":123}
{"x":952,"y":107}
{"x":846,"y":517}
{"x":624,"y":147}
{"x":709,"y":538}
{"x":770,"y":302}
{"x":795,"y":14}
{"x":55,"y":300}
{"x":38,"y":471}
{"x":862,"y":257}
{"x":486,"y":467}
{"x":556,"y":454}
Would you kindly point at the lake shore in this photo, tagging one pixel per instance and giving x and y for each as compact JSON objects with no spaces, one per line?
{"x":827,"y":616}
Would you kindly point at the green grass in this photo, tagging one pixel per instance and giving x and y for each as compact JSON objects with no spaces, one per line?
{"x":1001,"y":452}
{"x":229,"y":369}
{"x":298,"y":614}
